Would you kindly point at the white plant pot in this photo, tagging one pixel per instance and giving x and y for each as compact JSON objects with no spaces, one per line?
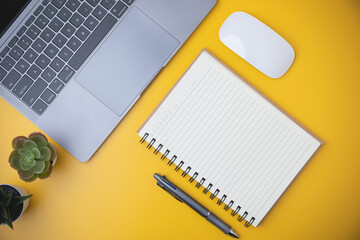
{"x":22,"y":192}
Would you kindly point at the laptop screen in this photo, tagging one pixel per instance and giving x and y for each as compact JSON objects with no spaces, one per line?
{"x":9,"y":10}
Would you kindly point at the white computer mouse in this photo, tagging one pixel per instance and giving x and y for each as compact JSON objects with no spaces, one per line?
{"x":258,"y":44}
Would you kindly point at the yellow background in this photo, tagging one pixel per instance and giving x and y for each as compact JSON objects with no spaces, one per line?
{"x":114,"y":195}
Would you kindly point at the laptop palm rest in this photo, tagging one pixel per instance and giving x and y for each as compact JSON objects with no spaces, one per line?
{"x":127,"y":61}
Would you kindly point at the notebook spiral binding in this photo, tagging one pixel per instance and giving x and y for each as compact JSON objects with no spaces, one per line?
{"x":199,"y":183}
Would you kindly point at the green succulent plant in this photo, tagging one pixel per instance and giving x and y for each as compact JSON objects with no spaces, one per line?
{"x":9,"y":202}
{"x":33,"y":157}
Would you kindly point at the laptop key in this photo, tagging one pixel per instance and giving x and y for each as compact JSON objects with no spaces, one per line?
{"x":56,"y":24}
{"x":65,"y":54}
{"x":68,"y":30}
{"x":11,"y":79}
{"x":13,"y":41}
{"x":50,"y":11}
{"x":38,"y":10}
{"x":119,"y":9}
{"x":58,"y":3}
{"x":47,"y":35}
{"x":30,"y":55}
{"x":99,"y":12}
{"x":41,"y":21}
{"x":34,"y":72}
{"x":51,"y":51}
{"x":22,"y":66}
{"x":56,"y":85}
{"x":85,"y":9}
{"x":93,"y":2}
{"x":48,"y":75}
{"x":29,"y":21}
{"x":107,"y":3}
{"x":16,"y":53}
{"x":42,"y":61}
{"x":59,"y":40}
{"x":76,"y":20}
{"x":45,"y":2}
{"x":57,"y":64}
{"x":66,"y":74}
{"x":39,"y":45}
{"x":128,"y":2}
{"x":21,"y":31}
{"x":64,"y":14}
{"x":22,"y":86}
{"x":33,"y":31}
{"x":4,"y":52}
{"x":93,"y":40}
{"x":82,"y":33}
{"x":34,"y":92}
{"x":74,"y":44}
{"x":25,"y":42}
{"x":7,"y":63}
{"x":48,"y":96}
{"x":39,"y":106}
{"x":73,"y":4}
{"x":2,"y":73}
{"x":91,"y":23}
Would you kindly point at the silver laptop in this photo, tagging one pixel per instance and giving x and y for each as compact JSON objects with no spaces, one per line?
{"x":76,"y":67}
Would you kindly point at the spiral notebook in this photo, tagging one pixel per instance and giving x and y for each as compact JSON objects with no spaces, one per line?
{"x":229,"y":138}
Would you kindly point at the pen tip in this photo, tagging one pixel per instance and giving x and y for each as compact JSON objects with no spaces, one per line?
{"x":233,"y":234}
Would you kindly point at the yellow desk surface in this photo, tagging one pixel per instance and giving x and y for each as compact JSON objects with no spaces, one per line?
{"x":114,"y":195}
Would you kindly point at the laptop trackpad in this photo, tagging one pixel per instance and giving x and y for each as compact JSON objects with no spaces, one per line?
{"x":131,"y":56}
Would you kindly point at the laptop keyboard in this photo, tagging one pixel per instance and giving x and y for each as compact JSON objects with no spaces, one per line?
{"x":53,"y":44}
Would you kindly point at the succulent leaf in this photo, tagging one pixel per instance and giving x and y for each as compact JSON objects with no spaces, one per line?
{"x":45,"y":154}
{"x":18,"y":142}
{"x":47,"y":173}
{"x":26,"y":174}
{"x":39,"y":167}
{"x":28,"y":144}
{"x":27,"y":163}
{"x":15,"y":161}
{"x":47,"y":166}
{"x":19,"y":199}
{"x":7,"y":199}
{"x":39,"y":139}
{"x":33,"y":178}
{"x":3,"y":213}
{"x":36,"y":153}
{"x":53,"y":153}
{"x":2,"y":194}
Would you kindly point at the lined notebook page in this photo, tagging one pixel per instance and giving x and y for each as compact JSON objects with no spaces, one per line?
{"x":230,"y":135}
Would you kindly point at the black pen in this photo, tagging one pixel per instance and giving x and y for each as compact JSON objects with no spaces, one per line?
{"x":183,"y":197}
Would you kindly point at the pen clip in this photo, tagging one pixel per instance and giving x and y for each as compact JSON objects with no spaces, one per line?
{"x":163,"y":187}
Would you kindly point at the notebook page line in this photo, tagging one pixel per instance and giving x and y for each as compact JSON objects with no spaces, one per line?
{"x":207,"y":141}
{"x":248,"y":129}
{"x":231,"y":135}
{"x":192,"y":138}
{"x":277,"y":167}
{"x":271,"y":148}
{"x":239,"y":195}
{"x":237,"y":166}
{"x":179,"y":119}
{"x":278,"y":147}
{"x":255,"y":141}
{"x":203,"y":174}
{"x":213,"y":137}
{"x":252,"y":159}
{"x":258,"y":211}
{"x":188,"y":98}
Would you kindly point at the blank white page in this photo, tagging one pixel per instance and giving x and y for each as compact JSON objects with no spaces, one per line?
{"x":232,"y":136}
